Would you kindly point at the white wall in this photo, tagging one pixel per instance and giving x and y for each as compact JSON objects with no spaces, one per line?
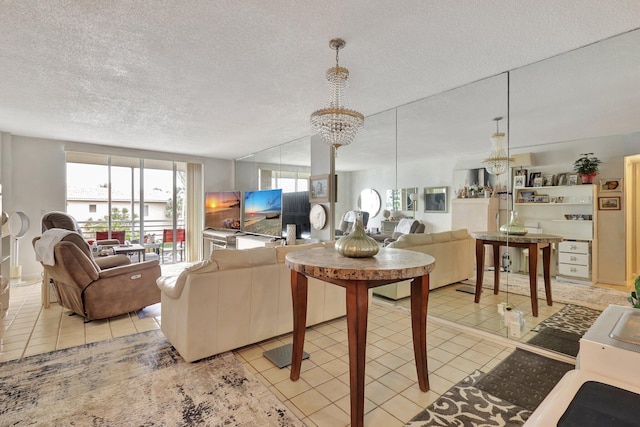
{"x":34,"y":180}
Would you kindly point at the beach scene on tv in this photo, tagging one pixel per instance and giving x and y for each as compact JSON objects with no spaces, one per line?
{"x":222,"y":210}
{"x":262,"y":212}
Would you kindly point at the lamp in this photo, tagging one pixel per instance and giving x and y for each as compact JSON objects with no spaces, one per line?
{"x":414,"y":200}
{"x":337,"y":124}
{"x":498,"y":162}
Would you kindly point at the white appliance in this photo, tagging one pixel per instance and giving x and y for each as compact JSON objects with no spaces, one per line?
{"x":609,"y":353}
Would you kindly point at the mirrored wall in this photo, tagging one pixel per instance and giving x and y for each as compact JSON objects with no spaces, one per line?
{"x":584,"y":101}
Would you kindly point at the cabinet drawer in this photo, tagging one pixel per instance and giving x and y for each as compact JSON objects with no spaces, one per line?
{"x":571,"y":258}
{"x":574,"y":247}
{"x":574,"y":270}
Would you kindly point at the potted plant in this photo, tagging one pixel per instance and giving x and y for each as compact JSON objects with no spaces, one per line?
{"x":587,"y":167}
{"x":633,"y":299}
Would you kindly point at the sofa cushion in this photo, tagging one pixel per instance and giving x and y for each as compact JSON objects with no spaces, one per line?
{"x":172,"y":286}
{"x":282,"y":251}
{"x":412,"y":240}
{"x":230,"y":259}
{"x":460,"y":234}
{"x":444,"y":236}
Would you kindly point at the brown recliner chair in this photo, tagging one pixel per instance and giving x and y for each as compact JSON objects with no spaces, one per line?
{"x":95,"y":293}
{"x":63,"y":220}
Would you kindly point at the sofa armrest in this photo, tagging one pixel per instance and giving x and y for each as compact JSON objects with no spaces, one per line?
{"x":112,"y":261}
{"x":128,"y":269}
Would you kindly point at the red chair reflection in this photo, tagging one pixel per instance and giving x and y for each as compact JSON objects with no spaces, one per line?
{"x":167,"y":237}
{"x":115,"y":235}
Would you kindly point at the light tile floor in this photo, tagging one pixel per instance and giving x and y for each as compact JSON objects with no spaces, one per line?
{"x":321,"y":396}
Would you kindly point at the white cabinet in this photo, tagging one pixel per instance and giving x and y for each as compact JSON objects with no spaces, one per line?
{"x":475,"y":214}
{"x":567,"y":211}
{"x":574,"y":259}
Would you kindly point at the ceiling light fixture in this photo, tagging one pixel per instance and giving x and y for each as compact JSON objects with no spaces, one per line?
{"x":337,"y":124}
{"x":498,"y":161}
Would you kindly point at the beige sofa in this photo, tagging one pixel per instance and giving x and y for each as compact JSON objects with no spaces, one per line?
{"x":454,"y":252}
{"x":236,"y":298}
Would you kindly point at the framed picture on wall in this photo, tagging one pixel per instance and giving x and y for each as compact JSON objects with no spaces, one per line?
{"x":319,"y":188}
{"x":609,"y":203}
{"x":435,"y":199}
{"x":611,"y":185}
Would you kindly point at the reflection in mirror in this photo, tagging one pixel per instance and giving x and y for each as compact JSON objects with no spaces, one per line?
{"x":369,"y":162}
{"x":393,"y":202}
{"x":286,"y":166}
{"x":369,"y":201}
{"x":409,"y":200}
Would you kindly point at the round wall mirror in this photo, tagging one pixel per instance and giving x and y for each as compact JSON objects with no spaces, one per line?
{"x":369,"y":201}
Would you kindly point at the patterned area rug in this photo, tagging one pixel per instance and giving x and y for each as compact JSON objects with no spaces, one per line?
{"x":135,"y":380}
{"x":506,"y":396}
{"x":564,"y":292}
{"x":562,"y":331}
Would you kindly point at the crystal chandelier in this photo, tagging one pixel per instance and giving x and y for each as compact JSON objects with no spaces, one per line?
{"x":498,"y":161}
{"x":337,"y":124}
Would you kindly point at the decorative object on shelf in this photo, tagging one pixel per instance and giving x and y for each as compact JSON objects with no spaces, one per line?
{"x":514,"y":227}
{"x":532,"y":178}
{"x":609,"y":203}
{"x":318,"y":217}
{"x":611,"y":185}
{"x":337,"y":124}
{"x":526,"y":196}
{"x":291,"y":234}
{"x":498,"y":160}
{"x":562,"y":179}
{"x":357,"y":244}
{"x":386,"y":214}
{"x":578,"y":217}
{"x":572,"y":179}
{"x":587,"y":167}
{"x":519,"y":181}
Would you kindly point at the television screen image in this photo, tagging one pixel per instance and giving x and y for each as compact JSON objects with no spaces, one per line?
{"x":262,"y":212}
{"x":222,"y":210}
{"x":295,"y":210}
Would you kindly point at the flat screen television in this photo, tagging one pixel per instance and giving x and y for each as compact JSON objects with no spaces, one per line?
{"x":295,"y":210}
{"x":222,"y":210}
{"x":262,"y":212}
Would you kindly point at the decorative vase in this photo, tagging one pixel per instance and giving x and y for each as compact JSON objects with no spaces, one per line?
{"x":514,"y":227}
{"x":357,"y":244}
{"x":588,"y":178}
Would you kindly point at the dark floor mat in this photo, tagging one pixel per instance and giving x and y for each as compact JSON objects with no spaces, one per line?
{"x":524,"y":378}
{"x":557,"y":340}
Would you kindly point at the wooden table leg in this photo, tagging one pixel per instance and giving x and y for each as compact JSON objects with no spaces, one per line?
{"x":496,"y":267}
{"x":479,"y":268}
{"x":299,"y":295}
{"x":357,"y":312}
{"x":533,"y":277}
{"x":546,"y":262}
{"x":419,"y":303}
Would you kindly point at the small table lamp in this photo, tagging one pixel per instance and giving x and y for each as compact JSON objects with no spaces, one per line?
{"x":414,"y":201}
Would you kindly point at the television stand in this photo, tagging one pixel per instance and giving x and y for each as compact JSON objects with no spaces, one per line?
{"x":247,"y":241}
{"x":222,"y":239}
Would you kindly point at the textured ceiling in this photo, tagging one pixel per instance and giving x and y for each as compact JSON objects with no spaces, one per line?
{"x":226,"y":79}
